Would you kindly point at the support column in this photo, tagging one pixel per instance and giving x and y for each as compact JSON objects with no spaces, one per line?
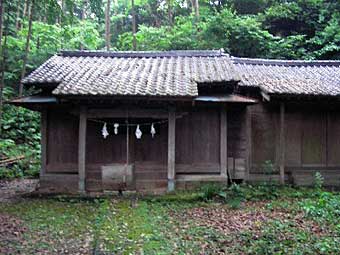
{"x":171,"y":149}
{"x":82,"y":149}
{"x":224,"y":142}
{"x":249,"y":146}
{"x":43,"y":142}
{"x":282,"y":143}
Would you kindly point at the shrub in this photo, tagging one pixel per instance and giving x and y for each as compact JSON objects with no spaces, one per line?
{"x":326,"y":207}
{"x":318,"y":181}
{"x":20,"y":137}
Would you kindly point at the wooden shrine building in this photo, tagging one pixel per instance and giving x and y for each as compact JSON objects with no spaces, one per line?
{"x":166,"y":120}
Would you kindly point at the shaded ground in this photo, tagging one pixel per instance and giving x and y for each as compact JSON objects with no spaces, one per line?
{"x":12,"y":190}
{"x":174,"y":224}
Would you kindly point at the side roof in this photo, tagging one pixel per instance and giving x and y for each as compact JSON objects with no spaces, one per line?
{"x":170,"y":73}
{"x":282,"y":77}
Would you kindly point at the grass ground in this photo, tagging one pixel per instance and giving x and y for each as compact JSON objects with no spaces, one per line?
{"x":214,"y":220}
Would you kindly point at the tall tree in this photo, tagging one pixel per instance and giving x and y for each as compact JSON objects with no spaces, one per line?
{"x":195,"y":7}
{"x":17,"y":20}
{"x":170,"y":14}
{"x":27,"y":48}
{"x":1,"y":19}
{"x":107,"y":25}
{"x":134,"y":29}
{"x":2,"y":62}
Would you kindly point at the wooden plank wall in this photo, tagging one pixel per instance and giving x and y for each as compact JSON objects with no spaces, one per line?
{"x":264,"y":135}
{"x":312,"y":139}
{"x":198,"y":141}
{"x":62,"y":142}
{"x":197,"y":145}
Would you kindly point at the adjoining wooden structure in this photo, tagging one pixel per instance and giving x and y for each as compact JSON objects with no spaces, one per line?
{"x":216,"y":118}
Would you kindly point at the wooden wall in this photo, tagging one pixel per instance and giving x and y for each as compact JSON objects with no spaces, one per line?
{"x":198,"y":141}
{"x":62,"y":142}
{"x":197,"y":145}
{"x":312,"y":137}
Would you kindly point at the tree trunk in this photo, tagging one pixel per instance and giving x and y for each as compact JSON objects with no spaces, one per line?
{"x":1,"y":19}
{"x":134,"y":42}
{"x":2,"y":62}
{"x":107,"y":25}
{"x":82,"y":18}
{"x":24,"y":13}
{"x":170,"y":14}
{"x":17,"y":20}
{"x":195,"y":7}
{"x":28,"y":38}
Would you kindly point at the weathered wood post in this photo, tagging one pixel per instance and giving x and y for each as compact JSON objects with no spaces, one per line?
{"x":249,"y":143}
{"x":223,"y":142}
{"x":43,"y":142}
{"x":282,"y":143}
{"x":171,"y":148}
{"x":82,"y":148}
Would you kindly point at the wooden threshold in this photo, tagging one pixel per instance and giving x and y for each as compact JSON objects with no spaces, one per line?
{"x":201,"y":177}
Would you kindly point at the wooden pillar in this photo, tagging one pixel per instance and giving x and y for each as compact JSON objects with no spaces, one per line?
{"x":249,"y":142}
{"x":224,"y":141}
{"x":282,"y":143}
{"x":82,"y":149}
{"x":171,"y":149}
{"x":43,"y":142}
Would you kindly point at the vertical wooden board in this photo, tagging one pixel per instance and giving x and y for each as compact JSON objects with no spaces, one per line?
{"x":171,"y":148}
{"x":282,"y":143}
{"x":62,"y":140}
{"x":248,"y":143}
{"x":100,"y":150}
{"x":333,"y":144}
{"x":223,"y":140}
{"x":237,"y":132}
{"x":184,"y":140}
{"x":43,"y":141}
{"x":264,"y":136}
{"x":82,"y":149}
{"x":314,"y":139}
{"x":293,"y":138}
{"x":206,"y":137}
{"x":151,"y":149}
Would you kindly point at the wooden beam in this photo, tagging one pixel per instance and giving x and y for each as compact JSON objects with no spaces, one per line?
{"x":121,"y":113}
{"x":43,"y":142}
{"x":282,"y":143}
{"x":265,"y":96}
{"x":82,"y":149}
{"x":223,"y":141}
{"x":171,"y":148}
{"x":249,"y":142}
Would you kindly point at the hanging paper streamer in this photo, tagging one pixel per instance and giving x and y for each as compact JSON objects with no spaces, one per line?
{"x":116,"y":125}
{"x":138,"y":132}
{"x":153,"y":130}
{"x":105,"y":133}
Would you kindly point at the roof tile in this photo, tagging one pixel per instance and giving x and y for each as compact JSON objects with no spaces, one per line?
{"x":174,"y":73}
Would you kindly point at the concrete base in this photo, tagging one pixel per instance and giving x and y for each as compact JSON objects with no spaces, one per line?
{"x":171,"y":185}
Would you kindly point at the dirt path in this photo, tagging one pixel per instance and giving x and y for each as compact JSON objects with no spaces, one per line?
{"x":13,"y":190}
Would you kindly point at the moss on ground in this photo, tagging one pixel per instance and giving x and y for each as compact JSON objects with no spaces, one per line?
{"x":289,"y":222}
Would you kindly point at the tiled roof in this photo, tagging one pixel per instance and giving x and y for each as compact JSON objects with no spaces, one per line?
{"x":171,"y":73}
{"x":290,"y":77}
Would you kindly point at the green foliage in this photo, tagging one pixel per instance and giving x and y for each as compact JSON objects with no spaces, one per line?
{"x":325,"y":207}
{"x":268,"y":167}
{"x":210,"y":191}
{"x":235,"y":194}
{"x":318,"y":181}
{"x":21,"y":137}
